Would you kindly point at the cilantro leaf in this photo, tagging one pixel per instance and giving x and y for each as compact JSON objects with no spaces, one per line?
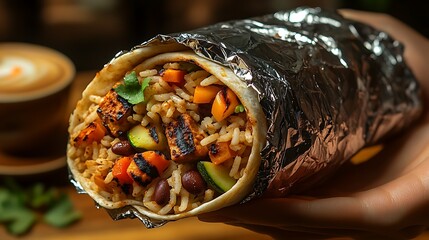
{"x":131,"y":89}
{"x":62,"y":213}
{"x":21,"y":207}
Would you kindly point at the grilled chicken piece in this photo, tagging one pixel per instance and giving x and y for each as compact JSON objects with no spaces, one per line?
{"x":114,"y":111}
{"x":183,"y":137}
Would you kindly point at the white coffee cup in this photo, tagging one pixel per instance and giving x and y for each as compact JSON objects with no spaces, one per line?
{"x":34,"y":90}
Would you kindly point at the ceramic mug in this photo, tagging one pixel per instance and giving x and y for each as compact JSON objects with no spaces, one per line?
{"x":34,"y":91}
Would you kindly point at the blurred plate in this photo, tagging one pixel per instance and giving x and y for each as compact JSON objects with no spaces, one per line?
{"x":20,"y":165}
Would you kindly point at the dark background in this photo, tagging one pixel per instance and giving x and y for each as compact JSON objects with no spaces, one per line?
{"x":91,"y":32}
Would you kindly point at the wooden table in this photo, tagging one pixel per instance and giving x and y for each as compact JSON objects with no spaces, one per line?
{"x":97,"y":225}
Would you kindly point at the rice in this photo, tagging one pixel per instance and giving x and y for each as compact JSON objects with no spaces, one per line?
{"x":145,"y":121}
{"x":153,"y":116}
{"x":208,"y":195}
{"x":165,"y":85}
{"x":170,"y":112}
{"x":108,"y":178}
{"x":95,"y":99}
{"x":195,"y":116}
{"x":209,"y":81}
{"x":175,"y":181}
{"x":174,"y":65}
{"x":183,"y":94}
{"x":191,"y":106}
{"x":235,"y":139}
{"x":156,"y":108}
{"x":209,"y":139}
{"x":184,"y":200}
{"x":196,"y":75}
{"x":148,"y":73}
{"x":148,"y":194}
{"x":153,"y":206}
{"x":235,"y":166}
{"x":163,"y":97}
{"x":225,"y":137}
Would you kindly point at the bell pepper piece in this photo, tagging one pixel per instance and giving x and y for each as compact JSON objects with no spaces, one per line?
{"x":119,"y":170}
{"x":174,"y":76}
{"x":224,"y":104}
{"x":205,"y":94}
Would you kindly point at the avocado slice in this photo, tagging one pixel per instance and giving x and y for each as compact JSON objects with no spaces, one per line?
{"x":216,"y":176}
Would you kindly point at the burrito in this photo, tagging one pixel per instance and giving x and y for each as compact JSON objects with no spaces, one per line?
{"x":190,"y":144}
{"x":189,"y":123}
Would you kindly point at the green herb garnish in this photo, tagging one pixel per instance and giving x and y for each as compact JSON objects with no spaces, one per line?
{"x":21,"y":208}
{"x":239,"y":109}
{"x":131,"y":90}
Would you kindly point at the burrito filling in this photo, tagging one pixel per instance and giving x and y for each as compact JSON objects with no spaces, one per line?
{"x":169,"y":138}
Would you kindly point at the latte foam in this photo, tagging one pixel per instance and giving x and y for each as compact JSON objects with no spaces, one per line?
{"x":30,"y":71}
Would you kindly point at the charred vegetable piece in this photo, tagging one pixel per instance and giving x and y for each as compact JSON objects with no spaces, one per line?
{"x":147,"y":138}
{"x":157,"y":159}
{"x":174,"y":76}
{"x":114,"y":111}
{"x":183,"y":137}
{"x":220,"y":152}
{"x":216,"y":176}
{"x":205,"y":94}
{"x":224,"y":104}
{"x":142,"y":177}
{"x":119,"y":170}
{"x":147,"y":166}
{"x":94,"y":132}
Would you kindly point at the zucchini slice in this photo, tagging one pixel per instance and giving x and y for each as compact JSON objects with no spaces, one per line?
{"x":147,"y":138}
{"x":216,"y":176}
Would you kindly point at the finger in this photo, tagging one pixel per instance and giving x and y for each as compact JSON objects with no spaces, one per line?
{"x":386,"y":208}
{"x":277,"y":233}
{"x":296,"y":232}
{"x":283,"y":212}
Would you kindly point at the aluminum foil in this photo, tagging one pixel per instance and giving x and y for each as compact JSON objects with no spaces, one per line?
{"x":328,"y":86}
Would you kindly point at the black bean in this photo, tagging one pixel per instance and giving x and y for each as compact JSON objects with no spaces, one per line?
{"x":193,"y":182}
{"x":162,"y":192}
{"x":123,"y":148}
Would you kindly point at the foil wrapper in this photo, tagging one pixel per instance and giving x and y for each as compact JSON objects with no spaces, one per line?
{"x":328,"y":86}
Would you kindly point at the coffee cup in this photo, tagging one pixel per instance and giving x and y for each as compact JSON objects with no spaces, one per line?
{"x":34,"y":90}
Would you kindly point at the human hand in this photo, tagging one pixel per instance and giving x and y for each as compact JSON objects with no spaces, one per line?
{"x":384,"y":198}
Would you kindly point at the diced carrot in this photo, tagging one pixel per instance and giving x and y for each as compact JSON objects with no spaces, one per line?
{"x":137,"y":175}
{"x":119,"y":170}
{"x":205,"y":94}
{"x":174,"y":76}
{"x":224,"y":104}
{"x":94,"y":132}
{"x":156,"y":159}
{"x":220,"y":152}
